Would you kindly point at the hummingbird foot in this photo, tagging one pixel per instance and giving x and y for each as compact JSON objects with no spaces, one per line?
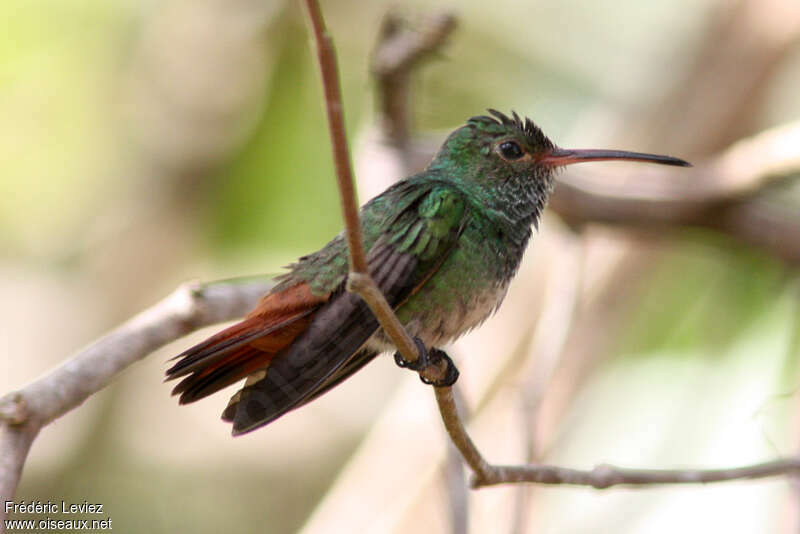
{"x":427,"y":358}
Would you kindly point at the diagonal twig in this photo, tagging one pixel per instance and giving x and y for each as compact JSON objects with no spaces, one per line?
{"x":604,"y":476}
{"x":358,"y":281}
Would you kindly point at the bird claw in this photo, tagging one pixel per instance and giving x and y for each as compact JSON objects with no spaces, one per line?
{"x":450,"y":375}
{"x":426,"y":358}
{"x":421,"y":362}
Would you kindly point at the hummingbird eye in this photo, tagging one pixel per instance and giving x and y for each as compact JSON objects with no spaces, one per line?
{"x":510,"y":150}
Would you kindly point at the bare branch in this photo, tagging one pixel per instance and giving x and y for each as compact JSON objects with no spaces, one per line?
{"x":659,"y":200}
{"x":456,"y":481}
{"x":482,"y":470}
{"x":741,"y":170}
{"x":365,"y":286}
{"x":25,"y":411}
{"x":605,"y":476}
{"x":326,"y":56}
{"x":359,"y":281}
{"x":601,"y":477}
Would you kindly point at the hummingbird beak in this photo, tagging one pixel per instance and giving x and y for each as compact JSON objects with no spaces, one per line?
{"x":558,"y":157}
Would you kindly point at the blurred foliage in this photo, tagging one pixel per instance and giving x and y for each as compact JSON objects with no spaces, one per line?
{"x":55,"y":74}
{"x":689,"y":296}
{"x":272,"y":194}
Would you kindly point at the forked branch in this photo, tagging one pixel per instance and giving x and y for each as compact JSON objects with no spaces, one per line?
{"x":359,"y":281}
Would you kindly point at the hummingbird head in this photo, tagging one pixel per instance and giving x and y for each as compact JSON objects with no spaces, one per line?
{"x":498,"y":149}
{"x":491,"y":150}
{"x":509,"y":161}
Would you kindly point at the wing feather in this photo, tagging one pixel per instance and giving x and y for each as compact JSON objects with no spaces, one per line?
{"x":406,"y":255}
{"x":296,"y":346}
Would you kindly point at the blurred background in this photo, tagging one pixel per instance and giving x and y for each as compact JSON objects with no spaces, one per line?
{"x":144,"y":143}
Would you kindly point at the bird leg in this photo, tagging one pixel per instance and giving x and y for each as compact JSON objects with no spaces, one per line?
{"x":427,"y":358}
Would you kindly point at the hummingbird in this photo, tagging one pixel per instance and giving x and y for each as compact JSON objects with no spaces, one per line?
{"x":442,"y":245}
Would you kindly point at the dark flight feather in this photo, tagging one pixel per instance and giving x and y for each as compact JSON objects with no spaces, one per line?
{"x":321,"y":356}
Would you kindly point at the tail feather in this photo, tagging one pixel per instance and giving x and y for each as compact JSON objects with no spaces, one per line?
{"x":238,"y":365}
{"x":245,"y":347}
{"x":359,"y":360}
{"x":329,"y":350}
{"x":251,"y":330}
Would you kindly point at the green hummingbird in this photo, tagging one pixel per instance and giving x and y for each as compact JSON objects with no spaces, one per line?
{"x":442,"y":245}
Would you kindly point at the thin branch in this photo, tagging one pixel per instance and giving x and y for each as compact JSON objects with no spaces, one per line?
{"x":365,"y":286}
{"x":601,"y":477}
{"x":456,"y":481}
{"x":605,"y":476}
{"x":326,"y":56}
{"x":561,"y":300}
{"x":743,"y":169}
{"x":726,"y":180}
{"x":481,"y":469}
{"x":359,"y":280}
{"x":25,"y":411}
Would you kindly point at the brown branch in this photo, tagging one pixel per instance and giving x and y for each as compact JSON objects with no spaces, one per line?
{"x":481,"y":469}
{"x":743,"y":169}
{"x":326,"y":56}
{"x":678,"y":204}
{"x":455,"y":479}
{"x":601,"y":477}
{"x":359,"y":280}
{"x":25,"y":411}
{"x":605,"y":476}
{"x":365,"y":286}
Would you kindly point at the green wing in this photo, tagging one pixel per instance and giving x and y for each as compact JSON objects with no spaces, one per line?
{"x":419,"y":226}
{"x":429,"y":228}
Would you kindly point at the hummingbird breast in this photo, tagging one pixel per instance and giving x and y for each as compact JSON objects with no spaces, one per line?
{"x":467,"y":288}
